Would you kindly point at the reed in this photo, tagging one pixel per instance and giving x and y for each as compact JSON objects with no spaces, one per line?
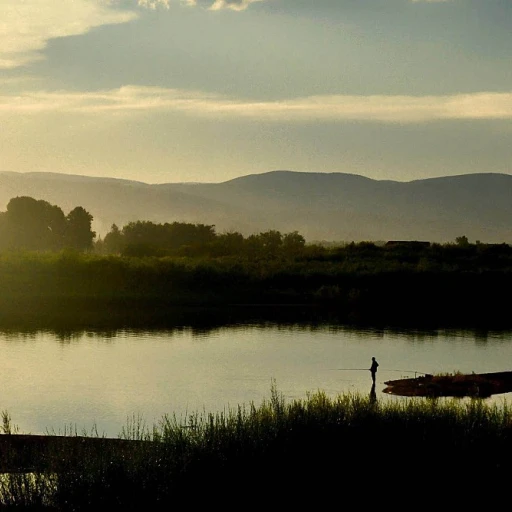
{"x":313,"y":442}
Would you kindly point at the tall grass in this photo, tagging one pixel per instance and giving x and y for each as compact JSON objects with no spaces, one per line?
{"x":316,"y":444}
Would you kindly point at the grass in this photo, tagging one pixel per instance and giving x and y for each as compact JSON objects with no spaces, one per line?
{"x":317,"y":443}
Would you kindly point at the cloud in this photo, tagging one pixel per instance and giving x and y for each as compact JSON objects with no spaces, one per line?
{"x":153,"y":4}
{"x":376,"y":108}
{"x":27,"y":26}
{"x":212,"y":5}
{"x":235,"y":5}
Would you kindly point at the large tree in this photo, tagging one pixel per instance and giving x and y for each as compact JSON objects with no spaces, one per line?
{"x":33,"y":224}
{"x":79,"y":234}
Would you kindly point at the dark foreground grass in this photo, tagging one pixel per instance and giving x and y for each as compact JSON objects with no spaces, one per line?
{"x":308,"y":453}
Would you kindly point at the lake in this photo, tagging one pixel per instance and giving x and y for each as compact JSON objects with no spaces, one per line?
{"x":87,"y":381}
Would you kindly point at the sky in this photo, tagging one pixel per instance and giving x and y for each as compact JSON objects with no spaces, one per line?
{"x":166,"y":91}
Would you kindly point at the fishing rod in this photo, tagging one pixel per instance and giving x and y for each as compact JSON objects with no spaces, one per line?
{"x":368,"y":369}
{"x":409,"y":371}
{"x":349,"y":369}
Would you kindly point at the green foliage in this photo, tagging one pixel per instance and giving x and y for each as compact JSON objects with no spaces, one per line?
{"x":462,"y":241}
{"x":364,"y":283}
{"x":191,"y":265}
{"x":145,"y":238}
{"x":308,"y":441}
{"x":113,"y":241}
{"x":293,"y":243}
{"x":79,"y":234}
{"x":30,"y":224}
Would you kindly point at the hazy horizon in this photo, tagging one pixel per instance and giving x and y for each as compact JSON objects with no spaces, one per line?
{"x":170,"y":91}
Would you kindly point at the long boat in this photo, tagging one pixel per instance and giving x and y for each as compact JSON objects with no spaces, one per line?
{"x":481,"y":385}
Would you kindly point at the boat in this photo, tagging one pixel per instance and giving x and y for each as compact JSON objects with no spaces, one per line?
{"x":481,"y":385}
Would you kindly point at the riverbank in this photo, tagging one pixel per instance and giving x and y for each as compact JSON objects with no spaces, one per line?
{"x":365,"y":285}
{"x":280,"y":453}
{"x":475,"y":385}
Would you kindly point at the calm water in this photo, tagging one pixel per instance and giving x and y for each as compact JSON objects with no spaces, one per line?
{"x":84,"y":380}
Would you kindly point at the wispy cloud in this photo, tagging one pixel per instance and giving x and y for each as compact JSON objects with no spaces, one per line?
{"x":26,"y":27}
{"x":376,"y":108}
{"x":153,"y":4}
{"x":212,"y":5}
{"x":235,"y":5}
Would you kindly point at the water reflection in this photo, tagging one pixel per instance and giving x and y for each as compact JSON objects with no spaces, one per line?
{"x":101,"y":374}
{"x":373,"y":394}
{"x":202,"y":322}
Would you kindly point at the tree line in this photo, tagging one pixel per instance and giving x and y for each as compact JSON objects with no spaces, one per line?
{"x":37,"y":225}
{"x":145,"y":238}
{"x":181,"y":264}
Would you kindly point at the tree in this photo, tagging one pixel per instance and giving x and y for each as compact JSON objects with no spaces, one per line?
{"x":271,"y":242}
{"x":462,"y":241}
{"x":180,"y":234}
{"x":113,"y":241}
{"x":147,"y":238}
{"x":293,"y":242}
{"x":33,"y":224}
{"x":229,"y":243}
{"x":79,"y":234}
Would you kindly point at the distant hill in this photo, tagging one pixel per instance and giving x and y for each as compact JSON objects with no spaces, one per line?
{"x":321,"y":206}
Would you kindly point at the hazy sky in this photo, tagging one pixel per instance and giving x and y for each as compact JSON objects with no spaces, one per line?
{"x":208,"y":90}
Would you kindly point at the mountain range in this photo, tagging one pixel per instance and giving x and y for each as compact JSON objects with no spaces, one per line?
{"x":320,"y":206}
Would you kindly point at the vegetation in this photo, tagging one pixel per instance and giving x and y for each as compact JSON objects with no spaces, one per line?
{"x":50,"y":265}
{"x":144,"y":238}
{"x":278,"y":454}
{"x":32,"y":224}
{"x":447,"y":284}
{"x":288,"y":453}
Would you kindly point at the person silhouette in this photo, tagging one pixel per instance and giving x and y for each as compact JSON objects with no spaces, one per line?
{"x":373,"y":369}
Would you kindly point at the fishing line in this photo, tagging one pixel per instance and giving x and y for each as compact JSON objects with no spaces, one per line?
{"x":386,"y":370}
{"x":408,"y":371}
{"x":350,"y":369}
